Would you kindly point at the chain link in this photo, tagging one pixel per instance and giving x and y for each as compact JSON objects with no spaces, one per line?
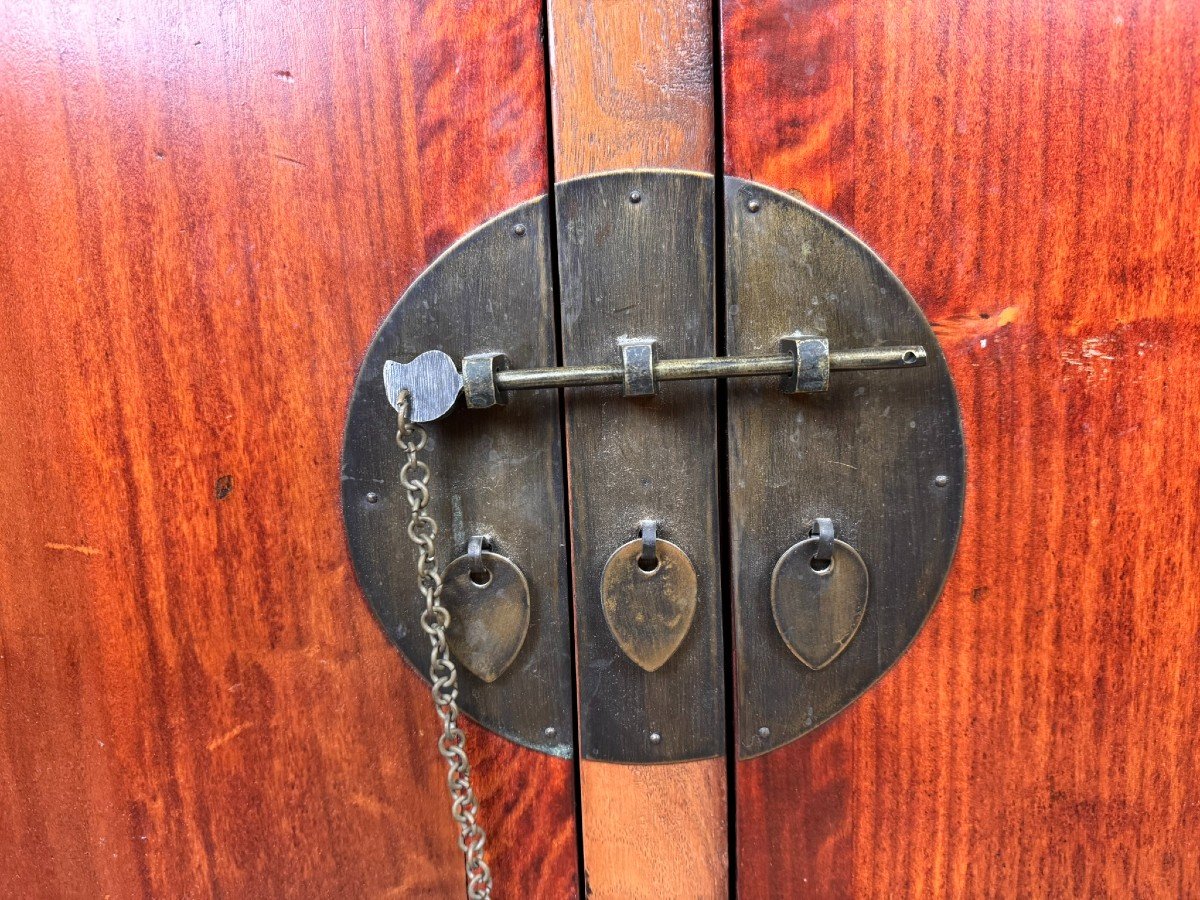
{"x":435,"y":619}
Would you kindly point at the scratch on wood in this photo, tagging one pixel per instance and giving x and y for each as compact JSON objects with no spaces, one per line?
{"x":74,"y":548}
{"x":228,"y":736}
{"x":288,"y":159}
{"x":975,"y":325}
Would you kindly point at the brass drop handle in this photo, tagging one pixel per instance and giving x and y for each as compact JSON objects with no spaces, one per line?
{"x":434,"y":382}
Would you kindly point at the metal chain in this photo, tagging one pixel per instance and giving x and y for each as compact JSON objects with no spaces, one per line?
{"x":435,"y":619}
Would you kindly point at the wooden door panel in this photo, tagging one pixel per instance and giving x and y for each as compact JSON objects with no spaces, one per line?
{"x":1030,"y":171}
{"x":206,"y":211}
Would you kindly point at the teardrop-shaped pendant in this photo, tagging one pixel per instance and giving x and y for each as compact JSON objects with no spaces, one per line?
{"x":818,"y":607}
{"x":649,"y":611}
{"x":488,"y":618}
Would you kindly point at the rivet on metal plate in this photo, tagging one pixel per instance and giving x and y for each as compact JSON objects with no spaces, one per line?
{"x":819,"y":603}
{"x":649,"y":611}
{"x":489,"y":613}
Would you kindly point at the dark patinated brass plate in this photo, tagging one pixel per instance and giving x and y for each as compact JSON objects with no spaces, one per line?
{"x":496,"y":472}
{"x":636,"y":261}
{"x":880,"y":454}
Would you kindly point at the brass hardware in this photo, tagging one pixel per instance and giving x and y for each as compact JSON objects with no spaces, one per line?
{"x":496,"y":471}
{"x":648,"y":558}
{"x":819,"y":594}
{"x":805,"y":365}
{"x":810,"y":373}
{"x":488,"y":599}
{"x":822,"y":528}
{"x":430,"y":381}
{"x":414,"y":474}
{"x":880,"y":456}
{"x":479,"y":371}
{"x":865,"y":454}
{"x":637,"y":367}
{"x":649,"y":608}
{"x":641,"y":270}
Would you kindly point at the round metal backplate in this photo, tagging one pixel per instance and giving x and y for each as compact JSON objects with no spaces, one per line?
{"x":880,"y":454}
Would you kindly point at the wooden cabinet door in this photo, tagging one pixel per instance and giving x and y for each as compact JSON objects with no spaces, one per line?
{"x":207,"y":209}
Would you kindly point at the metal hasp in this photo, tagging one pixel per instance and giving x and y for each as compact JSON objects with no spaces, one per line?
{"x":433,"y":382}
{"x":880,"y":456}
{"x":495,"y":472}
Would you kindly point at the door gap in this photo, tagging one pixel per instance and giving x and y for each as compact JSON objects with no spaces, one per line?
{"x":731,"y":743}
{"x":556,"y":288}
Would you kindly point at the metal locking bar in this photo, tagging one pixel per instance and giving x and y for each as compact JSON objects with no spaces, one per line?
{"x":805,"y":364}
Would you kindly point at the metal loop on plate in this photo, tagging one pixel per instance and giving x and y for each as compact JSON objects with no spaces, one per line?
{"x":824,"y":532}
{"x":475,"y":547}
{"x":648,"y":558}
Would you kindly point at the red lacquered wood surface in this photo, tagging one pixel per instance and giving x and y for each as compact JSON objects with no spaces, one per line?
{"x":205,"y":211}
{"x":632,"y":87}
{"x":1031,"y":170}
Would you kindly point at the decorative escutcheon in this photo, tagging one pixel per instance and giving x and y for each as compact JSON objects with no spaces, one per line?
{"x":839,"y":407}
{"x":880,"y":455}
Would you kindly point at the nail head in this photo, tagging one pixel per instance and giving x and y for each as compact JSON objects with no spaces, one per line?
{"x":754,"y":206}
{"x":655,"y":737}
{"x":519,"y":229}
{"x":635,"y":196}
{"x":942,"y":480}
{"x":372,"y":497}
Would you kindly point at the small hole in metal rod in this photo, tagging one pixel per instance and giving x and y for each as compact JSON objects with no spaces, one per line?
{"x":820,"y":566}
{"x":910,"y":356}
{"x":481,"y":579}
{"x":649,"y":566}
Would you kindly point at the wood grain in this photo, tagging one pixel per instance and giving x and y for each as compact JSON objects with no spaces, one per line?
{"x":631,"y":86}
{"x":205,"y":210}
{"x":1031,"y":171}
{"x":648,"y":832}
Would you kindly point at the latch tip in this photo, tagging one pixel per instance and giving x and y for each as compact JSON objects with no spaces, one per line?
{"x":432,"y":381}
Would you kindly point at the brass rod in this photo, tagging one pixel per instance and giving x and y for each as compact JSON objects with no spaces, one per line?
{"x":709,"y":367}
